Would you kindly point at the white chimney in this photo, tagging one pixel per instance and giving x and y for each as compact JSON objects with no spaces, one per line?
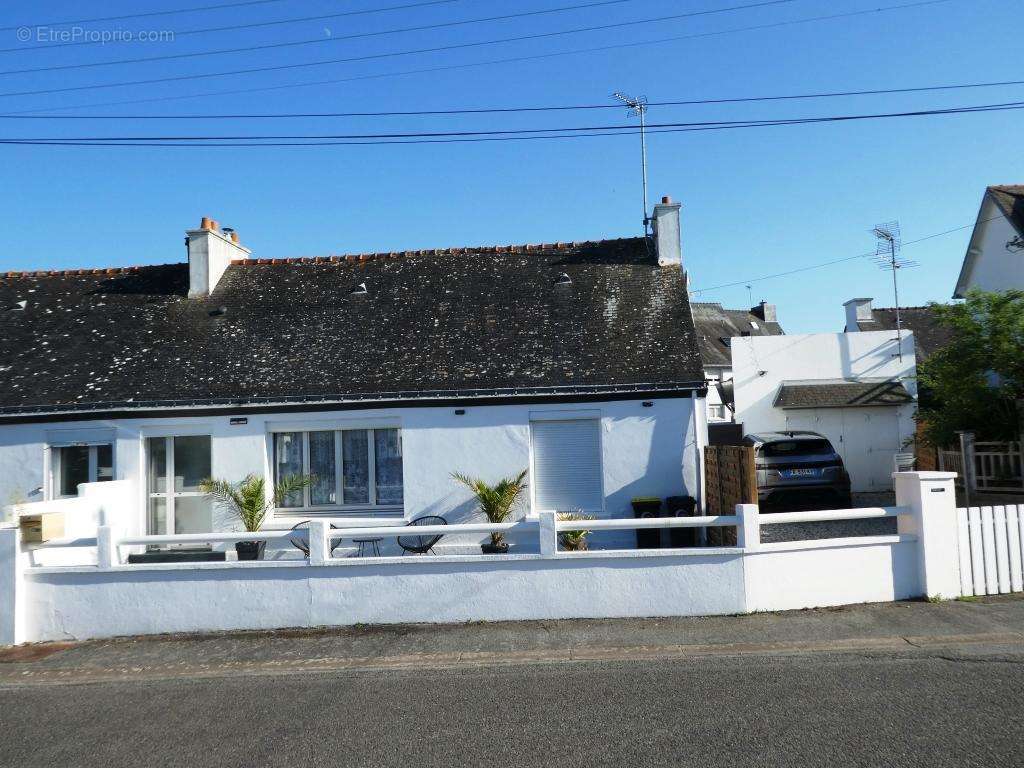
{"x":210,"y":252}
{"x":667,"y":240}
{"x":858,"y":311}
{"x":766,"y":312}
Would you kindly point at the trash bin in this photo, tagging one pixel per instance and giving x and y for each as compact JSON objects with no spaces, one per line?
{"x":682,"y":506}
{"x":647,"y":506}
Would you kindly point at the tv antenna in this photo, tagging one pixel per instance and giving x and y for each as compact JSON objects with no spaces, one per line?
{"x":638,"y":107}
{"x":887,"y":257}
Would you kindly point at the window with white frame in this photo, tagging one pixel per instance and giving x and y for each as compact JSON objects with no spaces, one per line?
{"x":716,"y":412}
{"x":71,"y":465}
{"x":567,"y":472}
{"x":350,"y":467}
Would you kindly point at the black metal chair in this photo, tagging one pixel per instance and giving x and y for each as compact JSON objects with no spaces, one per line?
{"x":302,"y":544}
{"x":420,"y":545}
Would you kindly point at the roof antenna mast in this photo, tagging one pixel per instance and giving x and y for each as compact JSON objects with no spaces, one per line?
{"x":638,"y":107}
{"x":887,"y":257}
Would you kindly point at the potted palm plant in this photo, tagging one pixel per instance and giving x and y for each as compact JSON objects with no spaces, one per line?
{"x":574,"y":541}
{"x":497,"y":502}
{"x":248,"y":501}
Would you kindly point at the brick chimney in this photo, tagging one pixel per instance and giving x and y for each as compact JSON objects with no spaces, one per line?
{"x":858,"y":311}
{"x":210,"y":252}
{"x":667,"y":240}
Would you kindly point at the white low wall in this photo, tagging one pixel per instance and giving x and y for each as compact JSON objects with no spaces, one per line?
{"x":442,"y":589}
{"x":817,"y":574}
{"x":55,"y":603}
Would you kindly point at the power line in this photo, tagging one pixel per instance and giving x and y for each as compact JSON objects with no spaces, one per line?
{"x":394,"y":54}
{"x":493,"y":135}
{"x":505,"y":110}
{"x":491,"y":62}
{"x":237,"y":27}
{"x":823,"y":264}
{"x":333,"y":39}
{"x":139,"y":15}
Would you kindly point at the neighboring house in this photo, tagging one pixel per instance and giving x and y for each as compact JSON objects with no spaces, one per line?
{"x":929,"y":334}
{"x":853,"y":388}
{"x":380,"y":374}
{"x":995,"y":255}
{"x":929,"y":337}
{"x":717,"y":330}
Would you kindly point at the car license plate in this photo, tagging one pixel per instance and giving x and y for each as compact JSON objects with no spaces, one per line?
{"x":800,"y":473}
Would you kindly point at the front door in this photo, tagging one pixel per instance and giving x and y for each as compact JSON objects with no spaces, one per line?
{"x":177,"y":465}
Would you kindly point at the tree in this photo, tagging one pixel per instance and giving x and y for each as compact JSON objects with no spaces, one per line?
{"x":976,"y":382}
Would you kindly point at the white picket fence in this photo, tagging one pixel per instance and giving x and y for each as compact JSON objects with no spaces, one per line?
{"x":991,"y":556}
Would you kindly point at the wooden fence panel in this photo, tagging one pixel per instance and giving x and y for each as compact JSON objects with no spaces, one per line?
{"x":730,"y":478}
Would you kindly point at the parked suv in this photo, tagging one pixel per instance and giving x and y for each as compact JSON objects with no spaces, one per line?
{"x":798,"y":468}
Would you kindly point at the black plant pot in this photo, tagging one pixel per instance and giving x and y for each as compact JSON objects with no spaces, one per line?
{"x":494,"y":549}
{"x":250,"y":550}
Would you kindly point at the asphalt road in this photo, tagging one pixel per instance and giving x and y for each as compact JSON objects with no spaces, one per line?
{"x":959,"y":706}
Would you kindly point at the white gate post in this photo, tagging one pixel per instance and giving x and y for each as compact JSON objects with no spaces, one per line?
{"x":931,"y":497}
{"x":10,"y":587}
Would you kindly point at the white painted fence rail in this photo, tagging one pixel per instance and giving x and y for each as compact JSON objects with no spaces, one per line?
{"x":110,"y":597}
{"x":990,"y":549}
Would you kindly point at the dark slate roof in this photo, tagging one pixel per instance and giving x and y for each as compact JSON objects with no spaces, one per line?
{"x":929,"y":335}
{"x":452,"y":322}
{"x":715,"y":324}
{"x":842,"y":394}
{"x":1010,"y":199}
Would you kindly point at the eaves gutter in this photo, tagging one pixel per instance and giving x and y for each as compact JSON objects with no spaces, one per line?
{"x":348,"y":402}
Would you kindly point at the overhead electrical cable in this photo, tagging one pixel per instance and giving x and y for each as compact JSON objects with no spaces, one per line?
{"x":494,"y":135}
{"x":236,"y":27}
{"x":505,"y":110}
{"x":491,"y":62}
{"x":832,"y":262}
{"x":411,"y":52}
{"x":342,"y":38}
{"x":148,"y":14}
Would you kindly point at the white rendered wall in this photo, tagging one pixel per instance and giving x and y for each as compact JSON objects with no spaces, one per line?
{"x":643,"y":450}
{"x":443,"y":590}
{"x":866,"y":437}
{"x":799,"y":577}
{"x":994,"y":267}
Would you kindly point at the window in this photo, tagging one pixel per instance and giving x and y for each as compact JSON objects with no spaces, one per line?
{"x":71,"y":465}
{"x":567,"y":465}
{"x":716,"y":412}
{"x":350,"y":467}
{"x":177,"y":465}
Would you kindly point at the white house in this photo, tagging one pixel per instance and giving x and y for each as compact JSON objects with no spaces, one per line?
{"x":379,"y":374}
{"x":929,"y":334}
{"x":716,"y":327}
{"x":857,"y":389}
{"x":995,"y":255}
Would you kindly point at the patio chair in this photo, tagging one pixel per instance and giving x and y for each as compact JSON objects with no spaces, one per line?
{"x":302,"y":543}
{"x":420,"y":545}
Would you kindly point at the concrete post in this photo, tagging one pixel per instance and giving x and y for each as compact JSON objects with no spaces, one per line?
{"x":106,"y":551}
{"x":748,"y":532}
{"x":10,"y":610}
{"x":548,"y":533}
{"x":931,"y":497}
{"x":319,"y":545}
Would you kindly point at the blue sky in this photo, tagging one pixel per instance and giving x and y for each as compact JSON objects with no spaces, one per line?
{"x":756,"y":201}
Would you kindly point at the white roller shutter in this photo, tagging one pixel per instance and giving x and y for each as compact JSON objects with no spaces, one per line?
{"x":567,"y":465}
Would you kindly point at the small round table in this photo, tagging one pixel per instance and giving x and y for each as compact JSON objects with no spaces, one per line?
{"x":372,"y":544}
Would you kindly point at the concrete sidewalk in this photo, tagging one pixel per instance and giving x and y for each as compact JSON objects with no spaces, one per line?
{"x":884,"y":627}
